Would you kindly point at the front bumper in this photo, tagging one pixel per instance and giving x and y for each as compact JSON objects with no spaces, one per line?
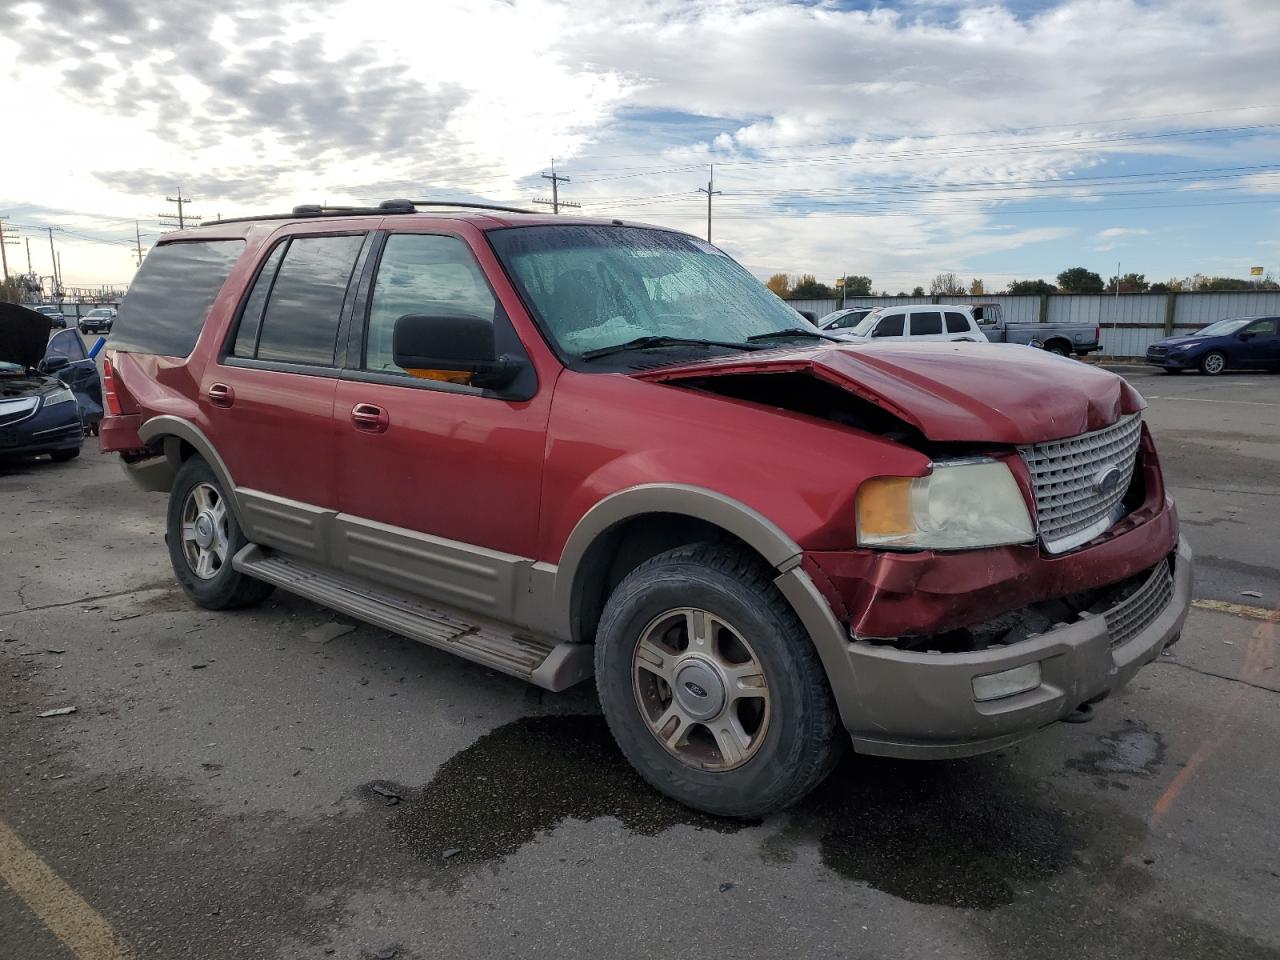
{"x":1170,"y":361}
{"x":909,"y":704}
{"x":52,"y":428}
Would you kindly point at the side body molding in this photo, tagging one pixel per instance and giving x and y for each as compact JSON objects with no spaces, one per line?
{"x":166,"y":425}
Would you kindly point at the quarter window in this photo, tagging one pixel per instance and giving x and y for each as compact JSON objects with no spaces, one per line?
{"x":66,"y":344}
{"x":926,"y":324}
{"x":424,"y":274}
{"x":251,"y":318}
{"x":890,"y":326}
{"x":957,"y":322}
{"x":300,"y":324}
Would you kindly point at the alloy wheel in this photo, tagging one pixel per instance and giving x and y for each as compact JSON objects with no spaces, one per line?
{"x":701,"y":689}
{"x":206,"y":537}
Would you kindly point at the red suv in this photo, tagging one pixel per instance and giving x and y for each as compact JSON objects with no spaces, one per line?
{"x":562,"y":447}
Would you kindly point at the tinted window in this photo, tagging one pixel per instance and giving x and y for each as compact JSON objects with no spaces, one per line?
{"x":957,"y":322}
{"x":1264,"y":328}
{"x":890,"y":326}
{"x":66,"y":344}
{"x":926,"y":324}
{"x":301,"y":320}
{"x":849,"y":320}
{"x":251,"y":317}
{"x":427,"y":275}
{"x":171,"y":295}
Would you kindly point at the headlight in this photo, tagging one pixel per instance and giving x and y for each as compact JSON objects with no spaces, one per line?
{"x":961,"y":505}
{"x":59,"y":396}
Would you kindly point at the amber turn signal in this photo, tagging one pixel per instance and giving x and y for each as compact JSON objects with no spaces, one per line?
{"x":884,"y":507}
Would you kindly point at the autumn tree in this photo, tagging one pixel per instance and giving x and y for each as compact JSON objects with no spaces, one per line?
{"x":947,"y":284}
{"x":1130,"y":283}
{"x":976,"y":287}
{"x":780,"y":284}
{"x":1079,"y":280}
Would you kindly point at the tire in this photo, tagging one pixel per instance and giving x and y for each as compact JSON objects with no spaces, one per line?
{"x":1058,"y":347}
{"x":215,"y":584}
{"x":785,"y":709}
{"x":62,"y":456}
{"x":1213,"y":363}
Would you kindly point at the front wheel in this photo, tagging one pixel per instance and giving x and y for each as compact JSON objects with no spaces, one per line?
{"x":711,"y":686}
{"x":1058,"y":347}
{"x":1213,"y":363}
{"x":203,"y":536}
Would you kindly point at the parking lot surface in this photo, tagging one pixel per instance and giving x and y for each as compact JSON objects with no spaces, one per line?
{"x":235,"y":785}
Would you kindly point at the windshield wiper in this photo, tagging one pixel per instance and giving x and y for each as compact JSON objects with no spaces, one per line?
{"x":793,"y":332}
{"x":655,"y":340}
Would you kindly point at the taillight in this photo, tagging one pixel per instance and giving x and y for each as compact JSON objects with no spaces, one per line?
{"x":1097,"y":334}
{"x":110,"y":399}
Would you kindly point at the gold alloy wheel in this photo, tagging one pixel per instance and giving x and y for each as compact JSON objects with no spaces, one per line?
{"x":701,"y":689}
{"x":206,"y":538}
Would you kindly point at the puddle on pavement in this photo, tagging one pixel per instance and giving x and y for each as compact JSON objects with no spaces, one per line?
{"x":1132,"y":751}
{"x":963,"y":834}
{"x":523,"y":779}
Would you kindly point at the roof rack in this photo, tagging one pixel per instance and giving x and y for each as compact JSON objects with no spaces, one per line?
{"x":385,"y":207}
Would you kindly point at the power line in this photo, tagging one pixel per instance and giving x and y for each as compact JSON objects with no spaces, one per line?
{"x":555,"y":202}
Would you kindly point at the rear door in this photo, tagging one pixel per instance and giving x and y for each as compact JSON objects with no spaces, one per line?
{"x":269,"y":400}
{"x":1262,"y":346}
{"x":439,"y":481}
{"x":927,"y":325}
{"x":960,"y":326}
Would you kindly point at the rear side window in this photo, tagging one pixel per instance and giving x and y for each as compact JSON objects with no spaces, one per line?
{"x":300,"y":324}
{"x":170,"y":297}
{"x":251,"y":317}
{"x":890,"y":326}
{"x":926,"y":324}
{"x":957,"y":323}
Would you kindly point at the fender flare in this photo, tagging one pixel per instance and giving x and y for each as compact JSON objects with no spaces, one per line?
{"x":167,"y":425}
{"x":747,"y":524}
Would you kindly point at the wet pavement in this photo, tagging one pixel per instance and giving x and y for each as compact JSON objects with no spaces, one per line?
{"x":228,"y":787}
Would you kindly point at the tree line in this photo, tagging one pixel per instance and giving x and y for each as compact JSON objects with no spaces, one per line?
{"x":806,"y":286}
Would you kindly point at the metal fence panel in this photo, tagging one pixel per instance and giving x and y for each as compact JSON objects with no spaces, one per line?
{"x":1198,"y":309}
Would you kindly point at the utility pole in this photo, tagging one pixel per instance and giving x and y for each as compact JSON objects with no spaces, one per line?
{"x":555,"y":203}
{"x":710,"y":191}
{"x":137,"y":235}
{"x":7,"y":236}
{"x":30,"y":272}
{"x":53,"y":257}
{"x":166,"y":219}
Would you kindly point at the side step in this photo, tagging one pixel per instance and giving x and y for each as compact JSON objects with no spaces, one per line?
{"x":546,"y":663}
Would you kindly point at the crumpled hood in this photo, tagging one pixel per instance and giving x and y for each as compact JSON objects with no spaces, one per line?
{"x":24,"y":334}
{"x":973,"y":392}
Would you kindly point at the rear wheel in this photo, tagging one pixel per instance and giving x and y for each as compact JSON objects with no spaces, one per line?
{"x":1213,"y":363}
{"x":203,"y":536}
{"x":711,"y":686}
{"x":1059,"y":347}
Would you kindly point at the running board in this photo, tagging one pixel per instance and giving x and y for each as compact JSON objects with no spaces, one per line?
{"x":545,"y":663}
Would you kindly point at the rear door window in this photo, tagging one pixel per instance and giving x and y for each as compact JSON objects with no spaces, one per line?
{"x":926,"y":324}
{"x":246,"y":344}
{"x":170,"y":296}
{"x":890,"y":325}
{"x":300,"y":324}
{"x":66,"y":344}
{"x":957,"y":322}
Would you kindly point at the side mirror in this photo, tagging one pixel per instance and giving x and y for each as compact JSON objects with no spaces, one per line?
{"x":53,"y":364}
{"x":454,"y":349}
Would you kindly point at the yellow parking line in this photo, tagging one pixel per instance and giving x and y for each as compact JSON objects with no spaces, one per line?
{"x":1237,"y":609}
{"x":68,"y":917}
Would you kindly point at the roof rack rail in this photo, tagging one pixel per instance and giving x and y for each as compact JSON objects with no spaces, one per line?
{"x":385,"y":207}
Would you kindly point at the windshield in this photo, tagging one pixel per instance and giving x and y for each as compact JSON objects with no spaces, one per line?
{"x":1222,"y":327}
{"x":99,"y":313}
{"x":600,"y":286}
{"x":864,"y":328}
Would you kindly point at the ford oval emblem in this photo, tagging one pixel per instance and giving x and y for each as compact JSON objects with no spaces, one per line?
{"x":698,"y":691}
{"x":1107,"y":480}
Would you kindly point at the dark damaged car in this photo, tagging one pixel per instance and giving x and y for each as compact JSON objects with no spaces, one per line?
{"x":563,"y":448}
{"x":39,"y":413}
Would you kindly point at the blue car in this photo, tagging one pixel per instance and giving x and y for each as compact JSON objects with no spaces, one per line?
{"x":1241,"y":343}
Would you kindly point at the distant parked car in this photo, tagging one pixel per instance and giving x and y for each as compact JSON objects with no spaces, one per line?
{"x":1240,"y":343}
{"x":916,"y":322}
{"x":98,"y":320}
{"x":839,"y":321}
{"x":55,"y":315}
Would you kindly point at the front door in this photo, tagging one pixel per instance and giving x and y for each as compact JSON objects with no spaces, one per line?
{"x":268,"y":404}
{"x":1259,"y":344}
{"x":439,"y":482}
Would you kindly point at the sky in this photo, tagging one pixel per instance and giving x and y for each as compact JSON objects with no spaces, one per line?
{"x":994,"y":140}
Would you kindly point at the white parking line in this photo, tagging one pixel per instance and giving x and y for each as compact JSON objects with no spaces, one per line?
{"x":1248,"y":403}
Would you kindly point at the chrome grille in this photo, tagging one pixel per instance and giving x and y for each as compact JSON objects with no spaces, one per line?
{"x":1073,"y":503}
{"x":1135,"y":613}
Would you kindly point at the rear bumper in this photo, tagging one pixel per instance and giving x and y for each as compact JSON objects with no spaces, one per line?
{"x":908,"y":704}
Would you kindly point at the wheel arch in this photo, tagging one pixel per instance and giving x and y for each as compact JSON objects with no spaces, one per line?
{"x":627,"y":528}
{"x":1057,"y":341}
{"x":181,"y":439}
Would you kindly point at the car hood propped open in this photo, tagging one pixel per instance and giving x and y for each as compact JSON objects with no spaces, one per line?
{"x":24,"y":334}
{"x":969,"y":392}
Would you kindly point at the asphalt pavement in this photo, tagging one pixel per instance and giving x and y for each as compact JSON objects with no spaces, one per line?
{"x":230,"y":786}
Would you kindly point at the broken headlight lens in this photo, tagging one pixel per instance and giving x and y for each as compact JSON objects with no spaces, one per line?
{"x":961,"y":505}
{"x":58,"y":396}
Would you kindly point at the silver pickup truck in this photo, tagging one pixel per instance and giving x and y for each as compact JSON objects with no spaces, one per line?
{"x":1062,"y":338}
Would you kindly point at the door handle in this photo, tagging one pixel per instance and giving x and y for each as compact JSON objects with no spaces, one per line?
{"x":370,"y":418}
{"x":221,"y":395}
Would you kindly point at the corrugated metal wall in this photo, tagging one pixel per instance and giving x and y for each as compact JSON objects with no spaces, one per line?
{"x":1130,"y":322}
